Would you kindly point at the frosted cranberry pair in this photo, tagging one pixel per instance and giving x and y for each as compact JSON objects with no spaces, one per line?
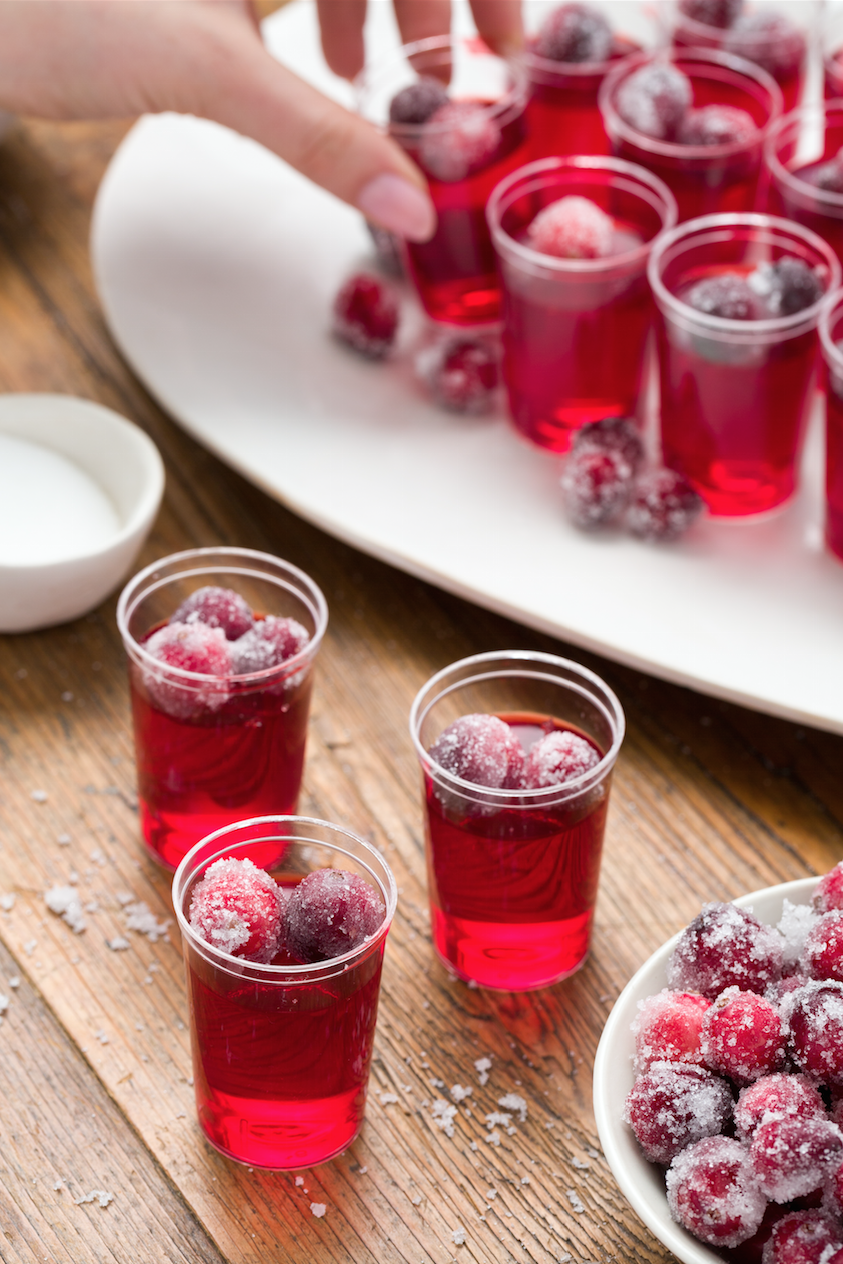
{"x":483,"y":750}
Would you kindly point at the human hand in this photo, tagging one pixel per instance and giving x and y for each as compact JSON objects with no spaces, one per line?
{"x":73,"y":59}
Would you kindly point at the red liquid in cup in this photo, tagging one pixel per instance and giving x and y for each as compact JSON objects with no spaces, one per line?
{"x":281,"y":1073}
{"x":732,"y":416}
{"x":813,"y":215}
{"x":563,"y":116}
{"x":833,"y":76}
{"x":241,"y":760}
{"x":513,"y":889}
{"x":834,"y":463}
{"x":455,"y":272}
{"x":577,"y":359}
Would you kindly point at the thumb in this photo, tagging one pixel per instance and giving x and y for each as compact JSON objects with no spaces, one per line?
{"x":331,"y":146}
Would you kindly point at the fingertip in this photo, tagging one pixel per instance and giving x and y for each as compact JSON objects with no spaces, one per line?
{"x":399,"y":206}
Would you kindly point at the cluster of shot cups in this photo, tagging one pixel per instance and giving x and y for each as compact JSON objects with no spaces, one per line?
{"x":579,"y":255}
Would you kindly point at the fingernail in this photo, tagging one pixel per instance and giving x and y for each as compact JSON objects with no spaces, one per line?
{"x":396,"y":204}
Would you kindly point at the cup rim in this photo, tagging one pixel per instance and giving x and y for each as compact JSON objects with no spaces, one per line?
{"x":512,"y":100}
{"x":522,"y":659}
{"x":305,"y":970}
{"x":739,"y":330}
{"x":616,"y":125}
{"x":796,"y":118}
{"x":267,"y":674}
{"x":576,"y":69}
{"x":588,"y":162}
{"x":831,"y":352}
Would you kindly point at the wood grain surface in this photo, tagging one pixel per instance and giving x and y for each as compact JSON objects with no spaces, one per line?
{"x":709,"y":801}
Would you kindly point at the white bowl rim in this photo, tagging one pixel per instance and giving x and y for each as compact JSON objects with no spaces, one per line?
{"x":671,"y":1234}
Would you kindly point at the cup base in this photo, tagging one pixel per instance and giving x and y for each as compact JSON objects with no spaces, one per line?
{"x":282,"y":1135}
{"x":511,"y":956}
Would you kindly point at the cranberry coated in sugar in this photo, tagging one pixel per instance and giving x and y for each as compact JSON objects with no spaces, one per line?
{"x":742,"y":1036}
{"x":481,"y":749}
{"x":804,"y":1237}
{"x":654,"y":99}
{"x":672,"y":1105}
{"x":775,"y":1097}
{"x":814,"y":1015}
{"x":712,"y":1192}
{"x":366,"y":316}
{"x":331,"y":912}
{"x":459,"y":139}
{"x":235,"y":907}
{"x":573,"y":227}
{"x":575,"y":32}
{"x":217,"y":608}
{"x":667,"y":1028}
{"x":725,"y":946}
{"x":596,"y":485}
{"x":792,"y":1157}
{"x":416,"y":103}
{"x":558,"y":757}
{"x":620,"y":434}
{"x":828,"y":893}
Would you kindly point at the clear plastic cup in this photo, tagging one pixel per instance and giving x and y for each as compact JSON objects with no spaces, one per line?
{"x":781,"y":50}
{"x":798,"y":155}
{"x":703,"y":178}
{"x":454,"y":273}
{"x":213,"y":749}
{"x":281,"y":1052}
{"x":735,"y":394}
{"x":575,"y":330}
{"x":831,"y":342}
{"x":513,"y":874}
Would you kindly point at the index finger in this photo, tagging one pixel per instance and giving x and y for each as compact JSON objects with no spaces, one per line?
{"x":499,"y":23}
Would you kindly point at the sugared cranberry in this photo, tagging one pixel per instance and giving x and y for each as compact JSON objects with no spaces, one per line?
{"x":654,"y":99}
{"x":619,"y":434}
{"x":575,"y":32}
{"x":416,"y":103}
{"x":770,"y":40}
{"x":663,"y":505}
{"x":828,"y":893}
{"x":828,"y":175}
{"x":711,"y":1191}
{"x":728,"y":296}
{"x":366,"y":316}
{"x":459,"y":139}
{"x":742,"y":1036}
{"x":833,"y":1193}
{"x":822,"y":957}
{"x":719,"y":13}
{"x":270,"y":642}
{"x":725,"y":946}
{"x":189,"y":647}
{"x":235,"y":907}
{"x":786,"y":287}
{"x":481,"y":749}
{"x":776,"y":992}
{"x":667,"y":1029}
{"x":804,"y":1237}
{"x":814,"y":1015}
{"x":776,"y":1097}
{"x":558,"y":757}
{"x":672,"y":1105}
{"x":717,"y":125}
{"x":793,"y":1156}
{"x":596,"y":485}
{"x":461,"y":373}
{"x":572,"y":228}
{"x":218,"y":608}
{"x":329,"y":913}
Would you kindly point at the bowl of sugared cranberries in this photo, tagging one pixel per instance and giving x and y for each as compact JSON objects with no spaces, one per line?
{"x":718,"y":1081}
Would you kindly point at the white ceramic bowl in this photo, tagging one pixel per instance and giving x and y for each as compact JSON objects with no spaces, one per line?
{"x":640,"y":1181}
{"x":125,"y":463}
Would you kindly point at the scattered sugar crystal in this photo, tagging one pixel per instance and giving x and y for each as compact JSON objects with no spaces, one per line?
{"x":483,"y":1066}
{"x":7,"y":903}
{"x":443,"y":1115}
{"x":796,"y":921}
{"x":123,"y":898}
{"x":425,"y":1004}
{"x":63,"y":840}
{"x":574,"y":1200}
{"x":362,"y":1171}
{"x":525,"y":1180}
{"x":96,"y":1195}
{"x":65,"y":903}
{"x":494,"y":1138}
{"x":4,"y":1004}
{"x":299,"y":1180}
{"x":510,"y":1132}
{"x":73,"y":877}
{"x":98,"y":857}
{"x":434,"y":1083}
{"x":550,"y":1123}
{"x":497,"y":1117}
{"x":474,"y":1146}
{"x":57,"y":1184}
{"x":459,"y":1236}
{"x":102,"y":1037}
{"x":118,"y":943}
{"x":387,"y":1099}
{"x":511,"y":1101}
{"x":40,"y":796}
{"x":581,"y":1164}
{"x":592,"y":1154}
{"x":14,"y":982}
{"x":318,"y":1210}
{"x":92,"y":906}
{"x":459,"y":1093}
{"x":416,"y":1200}
{"x":139,"y":917}
{"x":564,"y":1257}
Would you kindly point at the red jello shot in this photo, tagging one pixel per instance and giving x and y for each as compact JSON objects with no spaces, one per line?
{"x":516,"y":752}
{"x":713,"y":95}
{"x":220,"y":645}
{"x":739,"y":298}
{"x":573,"y":236}
{"x":767,"y":36}
{"x":803,"y":155}
{"x":458,"y":111}
{"x":281,"y":1031}
{"x":566,"y":59}
{"x":831,"y":343}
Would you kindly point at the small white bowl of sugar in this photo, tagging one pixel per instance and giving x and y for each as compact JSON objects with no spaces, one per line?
{"x":79,"y":490}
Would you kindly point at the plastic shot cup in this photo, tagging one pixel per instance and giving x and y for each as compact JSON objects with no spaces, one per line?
{"x":703,"y":178}
{"x":768,"y":36}
{"x":214,"y":748}
{"x":831,"y":342}
{"x":281,"y":1052}
{"x":464,"y":149}
{"x":805,"y":178}
{"x":512,"y":873}
{"x":735,"y":394}
{"x":575,"y":330}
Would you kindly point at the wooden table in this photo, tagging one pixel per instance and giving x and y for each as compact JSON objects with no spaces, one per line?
{"x":709,"y":801}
